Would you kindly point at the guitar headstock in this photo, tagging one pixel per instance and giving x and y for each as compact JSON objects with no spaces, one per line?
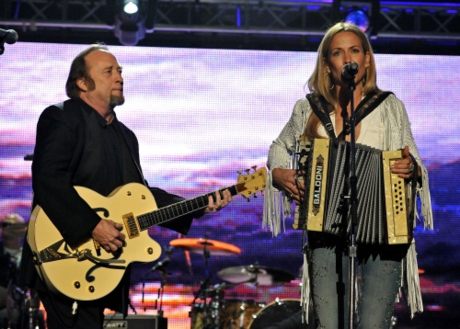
{"x":251,"y":182}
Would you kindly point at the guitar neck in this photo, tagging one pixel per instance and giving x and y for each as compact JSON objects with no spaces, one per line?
{"x":181,"y":208}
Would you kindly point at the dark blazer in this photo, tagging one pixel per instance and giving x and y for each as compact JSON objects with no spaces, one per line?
{"x":70,"y":150}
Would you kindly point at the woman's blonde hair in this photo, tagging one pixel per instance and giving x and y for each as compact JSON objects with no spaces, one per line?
{"x":321,"y":81}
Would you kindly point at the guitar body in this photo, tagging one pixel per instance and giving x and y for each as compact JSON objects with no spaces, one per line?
{"x":68,"y":270}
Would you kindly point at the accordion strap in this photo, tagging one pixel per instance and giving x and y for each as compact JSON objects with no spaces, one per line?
{"x":365,"y":107}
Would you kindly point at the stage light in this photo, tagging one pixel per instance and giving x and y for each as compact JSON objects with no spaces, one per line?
{"x":367,"y":18}
{"x":133,"y":20}
{"x":129,"y":33}
{"x":130,"y":7}
{"x":359,"y":18}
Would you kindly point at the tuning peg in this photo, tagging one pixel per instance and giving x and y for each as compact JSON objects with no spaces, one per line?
{"x":239,"y":172}
{"x":254,"y":168}
{"x":247,"y":170}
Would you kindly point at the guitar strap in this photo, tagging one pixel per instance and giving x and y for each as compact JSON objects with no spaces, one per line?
{"x":365,"y":107}
{"x":131,"y":151}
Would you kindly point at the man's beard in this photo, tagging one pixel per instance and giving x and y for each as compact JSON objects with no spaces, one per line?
{"x":116,"y":100}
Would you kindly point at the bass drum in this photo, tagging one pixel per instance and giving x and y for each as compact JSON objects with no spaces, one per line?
{"x":287,"y":311}
{"x":238,"y":314}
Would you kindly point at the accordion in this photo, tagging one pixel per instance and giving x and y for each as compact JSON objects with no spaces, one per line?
{"x":382,"y":214}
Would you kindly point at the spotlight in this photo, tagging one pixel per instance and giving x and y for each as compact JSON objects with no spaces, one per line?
{"x":130,"y":7}
{"x":133,"y":20}
{"x":129,"y":33}
{"x":359,"y":18}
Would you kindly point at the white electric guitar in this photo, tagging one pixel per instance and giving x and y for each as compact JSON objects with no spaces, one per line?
{"x":88,"y":272}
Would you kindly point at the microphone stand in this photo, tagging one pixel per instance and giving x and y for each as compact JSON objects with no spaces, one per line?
{"x":353,"y":203}
{"x":162,"y":267}
{"x":161,"y":291}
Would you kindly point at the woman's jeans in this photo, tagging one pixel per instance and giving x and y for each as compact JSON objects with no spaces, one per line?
{"x":378,"y":274}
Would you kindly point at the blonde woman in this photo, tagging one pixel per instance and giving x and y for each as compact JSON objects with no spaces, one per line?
{"x":383,"y":268}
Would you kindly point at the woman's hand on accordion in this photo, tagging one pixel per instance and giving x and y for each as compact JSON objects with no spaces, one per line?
{"x":406,"y":167}
{"x":290,"y":181}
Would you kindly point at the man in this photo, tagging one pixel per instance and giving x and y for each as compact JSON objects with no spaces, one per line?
{"x":81,"y":142}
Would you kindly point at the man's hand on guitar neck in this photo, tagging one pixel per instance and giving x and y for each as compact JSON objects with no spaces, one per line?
{"x":218,"y":201}
{"x":107,"y":234}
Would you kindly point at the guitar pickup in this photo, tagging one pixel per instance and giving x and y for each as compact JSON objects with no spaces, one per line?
{"x":131,"y":225}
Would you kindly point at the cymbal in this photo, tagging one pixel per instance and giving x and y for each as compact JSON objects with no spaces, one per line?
{"x":257,"y":274}
{"x":200,"y":245}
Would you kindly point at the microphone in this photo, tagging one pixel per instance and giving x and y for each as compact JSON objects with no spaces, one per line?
{"x":349,"y":71}
{"x":8,"y":36}
{"x":161,"y":265}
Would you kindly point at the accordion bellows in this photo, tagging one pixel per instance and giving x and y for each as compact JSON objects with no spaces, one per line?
{"x":382,"y":214}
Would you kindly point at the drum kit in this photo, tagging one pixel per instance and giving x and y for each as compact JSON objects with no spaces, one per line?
{"x":19,"y":308}
{"x":210,"y":310}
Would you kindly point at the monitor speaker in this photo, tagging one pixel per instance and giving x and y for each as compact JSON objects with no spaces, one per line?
{"x":117,"y":321}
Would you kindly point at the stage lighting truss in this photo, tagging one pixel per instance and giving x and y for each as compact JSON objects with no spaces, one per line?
{"x":417,"y":19}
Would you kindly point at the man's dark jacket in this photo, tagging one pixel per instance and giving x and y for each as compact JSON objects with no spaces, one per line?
{"x":75,"y":146}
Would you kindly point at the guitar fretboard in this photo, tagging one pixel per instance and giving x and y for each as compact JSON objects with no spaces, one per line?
{"x":179,"y":209}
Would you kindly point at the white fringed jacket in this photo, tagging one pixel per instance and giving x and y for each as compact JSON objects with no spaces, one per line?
{"x":386,"y":128}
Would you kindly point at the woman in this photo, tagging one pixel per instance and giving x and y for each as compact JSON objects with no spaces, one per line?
{"x":382,"y":268}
